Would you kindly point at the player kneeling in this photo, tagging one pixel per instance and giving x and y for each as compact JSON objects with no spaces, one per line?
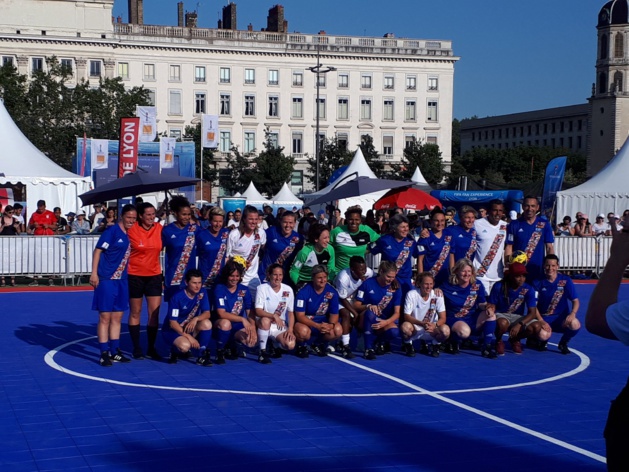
{"x":187,"y":325}
{"x":424,"y":317}
{"x":275,"y":318}
{"x":317,"y":314}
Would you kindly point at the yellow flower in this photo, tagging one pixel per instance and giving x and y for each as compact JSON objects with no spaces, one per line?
{"x":240,"y":260}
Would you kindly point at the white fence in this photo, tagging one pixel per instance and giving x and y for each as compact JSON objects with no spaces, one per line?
{"x":71,"y":256}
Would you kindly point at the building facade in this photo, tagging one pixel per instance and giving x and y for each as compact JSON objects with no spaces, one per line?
{"x":563,"y":127}
{"x":393,"y":89}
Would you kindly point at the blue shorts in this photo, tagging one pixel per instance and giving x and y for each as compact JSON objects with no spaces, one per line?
{"x":556,"y":322}
{"x":169,"y":336}
{"x":468,"y":320}
{"x":111,"y":296}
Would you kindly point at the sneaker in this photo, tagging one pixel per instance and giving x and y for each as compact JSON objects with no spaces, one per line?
{"x":467,"y":344}
{"x":105,"y":360}
{"x":386,"y":346}
{"x":231,"y":352}
{"x":270,"y":349}
{"x":174,"y":356}
{"x":563,"y":347}
{"x":339,"y":346}
{"x":532,"y":343}
{"x":453,"y":348}
{"x":488,"y":351}
{"x":409,"y":350}
{"x":34,"y":283}
{"x":263,"y":358}
{"x":319,"y":349}
{"x":423,"y":348}
{"x":205,"y":360}
{"x":370,"y":355}
{"x":516,"y":346}
{"x":435,"y":350}
{"x":138,"y":354}
{"x":220,"y":356}
{"x":120,"y":357}
{"x":302,"y":352}
{"x":346,"y":352}
{"x":542,"y":346}
{"x":500,"y":348}
{"x":153,"y":354}
{"x":380,"y":349}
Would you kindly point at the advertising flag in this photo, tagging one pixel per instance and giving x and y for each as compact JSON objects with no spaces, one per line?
{"x":167,"y":153}
{"x":99,"y":154}
{"x":128,"y":150}
{"x":553,"y":180}
{"x":148,"y":123}
{"x":209,"y":131}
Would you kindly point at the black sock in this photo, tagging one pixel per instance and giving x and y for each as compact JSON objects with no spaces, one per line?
{"x":151,"y":332}
{"x":134,"y":331}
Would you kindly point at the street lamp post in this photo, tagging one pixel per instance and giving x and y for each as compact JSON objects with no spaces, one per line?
{"x":318,"y":70}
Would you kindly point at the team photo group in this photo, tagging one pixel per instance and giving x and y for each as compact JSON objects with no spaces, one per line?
{"x":258,"y":285}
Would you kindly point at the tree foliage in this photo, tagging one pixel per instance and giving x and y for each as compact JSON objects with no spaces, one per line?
{"x":331,"y":158}
{"x":51,"y":113}
{"x":515,"y":167}
{"x":239,"y":169}
{"x":210,"y":174}
{"x":272,"y":167}
{"x":423,"y":155}
{"x":372,"y":156}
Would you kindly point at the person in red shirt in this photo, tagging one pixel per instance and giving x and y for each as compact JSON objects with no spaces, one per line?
{"x":43,"y":222}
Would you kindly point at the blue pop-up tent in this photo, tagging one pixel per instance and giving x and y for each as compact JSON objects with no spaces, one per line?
{"x":477,"y":198}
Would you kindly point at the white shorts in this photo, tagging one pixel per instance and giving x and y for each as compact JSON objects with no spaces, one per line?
{"x":513,"y":318}
{"x":488,"y":284}
{"x":275,"y":330}
{"x":420,"y":333}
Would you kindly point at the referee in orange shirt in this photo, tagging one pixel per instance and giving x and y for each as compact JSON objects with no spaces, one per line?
{"x":145,"y":278}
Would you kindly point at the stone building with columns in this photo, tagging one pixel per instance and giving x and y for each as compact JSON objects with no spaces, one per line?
{"x":394,"y":89}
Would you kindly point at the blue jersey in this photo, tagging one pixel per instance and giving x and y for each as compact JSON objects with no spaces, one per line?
{"x":114,"y":243}
{"x":236,"y":303}
{"x":436,"y":252}
{"x":314,"y":304}
{"x":279,"y":249}
{"x":515,"y":300}
{"x":211,"y":251}
{"x":181,"y":252}
{"x":182,"y":308}
{"x":531,"y":239}
{"x":462,"y":303}
{"x":464,"y":243}
{"x":553,"y":297}
{"x":400,"y":252}
{"x":372,"y":293}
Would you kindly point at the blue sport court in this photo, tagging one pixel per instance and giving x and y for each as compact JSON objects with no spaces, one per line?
{"x":541,"y":411}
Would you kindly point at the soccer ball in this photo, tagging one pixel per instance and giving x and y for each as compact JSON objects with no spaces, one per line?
{"x":518,"y":256}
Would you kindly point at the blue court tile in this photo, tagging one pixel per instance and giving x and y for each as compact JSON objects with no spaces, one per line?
{"x":19,"y":466}
{"x":63,"y":464}
{"x":56,"y":453}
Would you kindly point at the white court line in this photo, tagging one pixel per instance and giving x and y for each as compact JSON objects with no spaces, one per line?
{"x":51,"y":362}
{"x":482,"y":413}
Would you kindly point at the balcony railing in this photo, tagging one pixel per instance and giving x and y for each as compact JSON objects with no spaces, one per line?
{"x":415,"y":47}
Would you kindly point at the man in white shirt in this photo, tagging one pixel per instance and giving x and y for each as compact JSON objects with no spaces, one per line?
{"x":347,"y":282}
{"x":491,"y":233}
{"x":608,"y":318}
{"x":424,"y":318}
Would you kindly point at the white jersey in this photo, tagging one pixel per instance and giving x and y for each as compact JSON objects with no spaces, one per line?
{"x":417,"y":307}
{"x":490,"y":256}
{"x":248,"y":247}
{"x":280,"y":302}
{"x":346,"y":285}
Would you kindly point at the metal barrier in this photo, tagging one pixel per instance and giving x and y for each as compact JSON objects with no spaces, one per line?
{"x":71,"y":256}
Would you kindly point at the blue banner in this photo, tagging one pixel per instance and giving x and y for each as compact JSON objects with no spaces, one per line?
{"x":553,"y":180}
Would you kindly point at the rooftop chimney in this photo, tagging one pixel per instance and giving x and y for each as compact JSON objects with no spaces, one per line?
{"x":180,"y":14}
{"x":191,"y":19}
{"x":275,"y":21}
{"x":136,"y":12}
{"x":229,"y":17}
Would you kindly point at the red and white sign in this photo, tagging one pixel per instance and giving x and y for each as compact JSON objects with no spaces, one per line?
{"x":128,"y":150}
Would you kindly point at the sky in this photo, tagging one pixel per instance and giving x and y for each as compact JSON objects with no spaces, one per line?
{"x":515,"y":55}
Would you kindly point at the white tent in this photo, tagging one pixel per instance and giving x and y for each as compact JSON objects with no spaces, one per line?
{"x":287,"y":199}
{"x":357,"y":168}
{"x":254,"y":197}
{"x":420,"y":181}
{"x":606,"y":192}
{"x":21,"y":162}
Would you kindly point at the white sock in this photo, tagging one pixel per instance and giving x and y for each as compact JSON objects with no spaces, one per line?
{"x":263,"y":336}
{"x":345,"y":339}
